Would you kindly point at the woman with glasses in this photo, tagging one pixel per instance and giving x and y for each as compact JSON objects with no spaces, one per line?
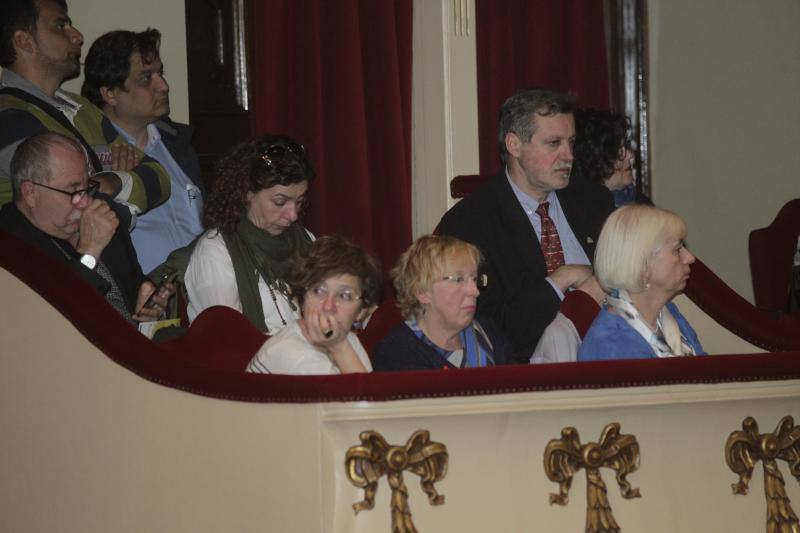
{"x":251,"y":218}
{"x":437,"y":283}
{"x":336,"y":285}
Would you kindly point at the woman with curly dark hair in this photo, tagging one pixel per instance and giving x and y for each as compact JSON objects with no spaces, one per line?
{"x":603,"y":152}
{"x":252,"y":232}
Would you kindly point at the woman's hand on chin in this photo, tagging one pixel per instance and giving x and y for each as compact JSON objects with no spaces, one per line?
{"x":323,"y":330}
{"x":328,"y":334}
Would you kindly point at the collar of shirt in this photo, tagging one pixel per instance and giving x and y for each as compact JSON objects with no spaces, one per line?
{"x":153,"y":137}
{"x":528,"y":203}
{"x":573,"y":252}
{"x":63,"y":101}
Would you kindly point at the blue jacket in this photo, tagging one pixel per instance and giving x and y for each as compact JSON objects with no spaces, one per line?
{"x":610,"y":337}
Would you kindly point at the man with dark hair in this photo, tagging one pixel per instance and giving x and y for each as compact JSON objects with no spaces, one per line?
{"x":40,"y":49}
{"x":536,"y":228}
{"x":123,"y":76}
{"x":55,"y":210}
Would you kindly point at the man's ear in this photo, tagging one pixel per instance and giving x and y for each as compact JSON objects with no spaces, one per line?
{"x":109,"y":96}
{"x":28,"y":192}
{"x":512,"y":144}
{"x":24,"y":42}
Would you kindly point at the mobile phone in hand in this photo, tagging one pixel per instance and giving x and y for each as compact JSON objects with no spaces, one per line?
{"x":160,"y":289}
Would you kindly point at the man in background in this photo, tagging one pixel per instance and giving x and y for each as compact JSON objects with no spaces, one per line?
{"x":536,"y":228}
{"x":124,"y":76}
{"x":39,"y":50}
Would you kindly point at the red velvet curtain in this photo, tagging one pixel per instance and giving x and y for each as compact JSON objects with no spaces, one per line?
{"x":337,"y":77}
{"x":559,"y":44}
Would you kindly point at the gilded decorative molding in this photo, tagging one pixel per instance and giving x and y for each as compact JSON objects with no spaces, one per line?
{"x":366,"y":463}
{"x":564,"y":457}
{"x":744,"y":449}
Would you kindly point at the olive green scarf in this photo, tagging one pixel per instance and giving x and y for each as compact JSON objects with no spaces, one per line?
{"x":255,"y":253}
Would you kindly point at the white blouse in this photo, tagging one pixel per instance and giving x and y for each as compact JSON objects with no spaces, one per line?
{"x":289,"y":352}
{"x":210,"y":280}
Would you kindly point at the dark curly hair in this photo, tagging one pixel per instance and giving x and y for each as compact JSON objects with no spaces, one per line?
{"x":243,"y":169}
{"x":333,"y":255}
{"x":18,"y":15}
{"x":600,"y":136}
{"x":108,"y":62}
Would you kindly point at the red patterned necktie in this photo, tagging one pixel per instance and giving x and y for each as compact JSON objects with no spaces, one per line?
{"x":550,"y":242}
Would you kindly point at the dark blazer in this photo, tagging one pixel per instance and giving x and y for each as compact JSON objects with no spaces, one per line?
{"x":519,"y":298}
{"x":118,"y":256}
{"x":401,"y":349}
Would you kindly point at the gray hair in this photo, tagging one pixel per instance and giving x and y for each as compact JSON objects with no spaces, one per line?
{"x":518,"y":112}
{"x":31,"y":160}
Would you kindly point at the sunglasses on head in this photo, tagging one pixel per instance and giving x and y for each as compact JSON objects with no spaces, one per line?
{"x":277,"y":152}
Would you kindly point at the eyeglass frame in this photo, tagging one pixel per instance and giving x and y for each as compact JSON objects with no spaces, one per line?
{"x":320,"y":292}
{"x":481,"y":280}
{"x":277,"y":152}
{"x":75,"y":196}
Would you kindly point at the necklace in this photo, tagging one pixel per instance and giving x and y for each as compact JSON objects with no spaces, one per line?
{"x":275,"y":301}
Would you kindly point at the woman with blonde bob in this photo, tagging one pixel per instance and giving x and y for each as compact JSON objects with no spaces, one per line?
{"x":437,"y":284}
{"x":642,"y":263}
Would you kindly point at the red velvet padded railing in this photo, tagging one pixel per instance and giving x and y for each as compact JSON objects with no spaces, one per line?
{"x":771,"y":252}
{"x":210,"y":359}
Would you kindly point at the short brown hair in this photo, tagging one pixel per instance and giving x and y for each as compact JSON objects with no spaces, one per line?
{"x":422,"y":264}
{"x":333,"y":255}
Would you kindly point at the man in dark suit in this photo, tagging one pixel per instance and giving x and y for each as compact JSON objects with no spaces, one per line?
{"x":529,"y":207}
{"x":55,"y":209}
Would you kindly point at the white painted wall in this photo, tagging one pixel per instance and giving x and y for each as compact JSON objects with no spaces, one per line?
{"x":445,"y":106}
{"x":725,"y":121}
{"x":96,"y":17}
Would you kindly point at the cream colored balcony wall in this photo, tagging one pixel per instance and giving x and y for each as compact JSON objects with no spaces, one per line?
{"x":89,"y":446}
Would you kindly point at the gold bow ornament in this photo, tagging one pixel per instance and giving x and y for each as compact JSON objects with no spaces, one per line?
{"x":566,"y":456}
{"x":743,"y":450}
{"x":366,"y":463}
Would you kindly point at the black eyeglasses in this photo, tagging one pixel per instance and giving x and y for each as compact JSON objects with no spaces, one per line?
{"x":75,"y":196}
{"x":277,"y":152}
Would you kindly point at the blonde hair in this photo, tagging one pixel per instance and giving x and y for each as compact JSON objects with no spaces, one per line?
{"x":422,"y":264}
{"x":631,"y":236}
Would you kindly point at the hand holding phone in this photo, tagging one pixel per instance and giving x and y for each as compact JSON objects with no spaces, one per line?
{"x":162,"y":290}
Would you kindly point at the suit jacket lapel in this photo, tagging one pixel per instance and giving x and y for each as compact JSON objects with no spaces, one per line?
{"x":518,"y":225}
{"x":576,"y":219}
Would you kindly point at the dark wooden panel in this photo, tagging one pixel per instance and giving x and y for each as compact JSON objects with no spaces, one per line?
{"x":219,"y":56}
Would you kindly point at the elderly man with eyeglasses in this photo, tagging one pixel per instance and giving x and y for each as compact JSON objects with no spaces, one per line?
{"x":55,"y":209}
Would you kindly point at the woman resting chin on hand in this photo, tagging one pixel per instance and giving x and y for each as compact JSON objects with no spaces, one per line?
{"x":337,"y":284}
